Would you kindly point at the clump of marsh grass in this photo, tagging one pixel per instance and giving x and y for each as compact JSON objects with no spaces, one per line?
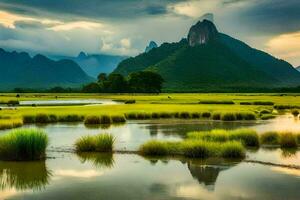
{"x":154,"y":148}
{"x":28,"y":119}
{"x":184,"y":115}
{"x":216,"y":102}
{"x":71,"y":118}
{"x":193,"y":149}
{"x":10,"y":123}
{"x":23,"y":144}
{"x":270,"y":137}
{"x":232,"y":149}
{"x":295,"y":112}
{"x":91,"y":120}
{"x":196,"y":115}
{"x":216,"y":116}
{"x":267,"y":116}
{"x":96,"y":143}
{"x":118,"y":119}
{"x":228,"y":116}
{"x":206,"y":114}
{"x":288,"y":140}
{"x":42,"y":118}
{"x":247,"y":136}
{"x":263,"y":103}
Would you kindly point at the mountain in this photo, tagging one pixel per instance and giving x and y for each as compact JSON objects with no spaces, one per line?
{"x":150,"y":46}
{"x":21,"y":70}
{"x":94,"y":64}
{"x":210,"y":60}
{"x":298,"y":68}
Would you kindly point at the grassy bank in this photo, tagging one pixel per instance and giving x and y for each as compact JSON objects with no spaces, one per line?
{"x":23,"y":144}
{"x":10,"y":123}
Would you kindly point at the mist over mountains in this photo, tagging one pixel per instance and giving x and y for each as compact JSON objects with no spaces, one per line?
{"x":94,"y":64}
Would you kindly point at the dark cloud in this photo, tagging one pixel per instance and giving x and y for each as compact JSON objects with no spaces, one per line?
{"x":122,"y":9}
{"x":272,"y":16}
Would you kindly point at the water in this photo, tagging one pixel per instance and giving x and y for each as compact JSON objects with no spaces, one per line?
{"x":122,"y":176}
{"x":69,"y":102}
{"x":119,"y":176}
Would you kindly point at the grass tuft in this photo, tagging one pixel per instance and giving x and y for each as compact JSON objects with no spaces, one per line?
{"x":270,"y":137}
{"x":288,"y":140}
{"x":96,"y":143}
{"x":23,"y":144}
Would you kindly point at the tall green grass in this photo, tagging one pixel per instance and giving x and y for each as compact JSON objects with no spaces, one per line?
{"x":216,"y":102}
{"x":23,"y":144}
{"x":193,"y":149}
{"x":270,"y":138}
{"x":247,"y":136}
{"x":10,"y":123}
{"x":96,"y":143}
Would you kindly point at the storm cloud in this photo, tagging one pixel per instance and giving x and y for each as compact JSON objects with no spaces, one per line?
{"x":66,"y":27}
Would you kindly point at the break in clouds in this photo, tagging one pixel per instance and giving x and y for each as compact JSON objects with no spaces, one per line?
{"x":66,"y":27}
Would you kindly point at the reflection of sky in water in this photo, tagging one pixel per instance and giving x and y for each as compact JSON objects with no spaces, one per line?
{"x":133,"y":177}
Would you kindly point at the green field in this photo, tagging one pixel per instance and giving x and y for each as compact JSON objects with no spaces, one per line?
{"x":174,"y":102}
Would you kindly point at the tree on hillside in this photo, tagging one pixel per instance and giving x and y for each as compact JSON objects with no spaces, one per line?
{"x":145,"y":82}
{"x":116,"y":83}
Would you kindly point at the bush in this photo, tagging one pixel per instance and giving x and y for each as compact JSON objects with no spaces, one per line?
{"x":288,"y":140}
{"x":270,"y":137}
{"x":23,"y":144}
{"x":89,"y":120}
{"x":206,"y":114}
{"x":295,"y":112}
{"x":96,"y":143}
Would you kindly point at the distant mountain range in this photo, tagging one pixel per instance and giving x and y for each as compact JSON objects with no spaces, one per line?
{"x":23,"y":71}
{"x":94,"y":64}
{"x":208,"y":59}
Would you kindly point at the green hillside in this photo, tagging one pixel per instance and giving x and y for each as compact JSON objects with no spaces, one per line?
{"x":213,"y":61}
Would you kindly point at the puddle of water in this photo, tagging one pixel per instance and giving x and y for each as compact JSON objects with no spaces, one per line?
{"x":132,"y":177}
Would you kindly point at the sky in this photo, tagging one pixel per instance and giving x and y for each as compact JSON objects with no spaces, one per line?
{"x":125,"y":27}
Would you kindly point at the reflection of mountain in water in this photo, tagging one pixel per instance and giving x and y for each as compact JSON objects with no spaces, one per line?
{"x":207,"y":174}
{"x":24,"y":175}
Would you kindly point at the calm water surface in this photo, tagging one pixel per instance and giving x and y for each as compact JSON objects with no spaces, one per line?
{"x":122,"y":176}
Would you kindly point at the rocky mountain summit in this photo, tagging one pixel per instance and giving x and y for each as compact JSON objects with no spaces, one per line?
{"x":202,"y":32}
